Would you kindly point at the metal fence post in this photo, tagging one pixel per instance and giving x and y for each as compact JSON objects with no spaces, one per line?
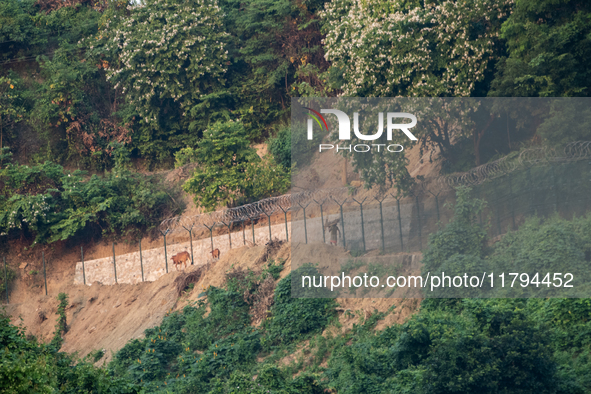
{"x":555,"y":188}
{"x":342,"y":220}
{"x":511,"y":200}
{"x":437,"y":207}
{"x":190,"y":230}
{"x":141,"y":260}
{"x":114,"y":263}
{"x":399,"y":223}
{"x":531,"y":190}
{"x":44,"y":270}
{"x":229,"y":233}
{"x":268,"y":221}
{"x":83,"y":270}
{"x":498,"y":212}
{"x":165,"y":254}
{"x":322,"y":220}
{"x":305,"y":226}
{"x":362,"y":226}
{"x":285,"y":218}
{"x":191,"y":243}
{"x":382,"y":223}
{"x":480,"y":211}
{"x":252,"y":228}
{"x":210,"y":233}
{"x":243,"y":232}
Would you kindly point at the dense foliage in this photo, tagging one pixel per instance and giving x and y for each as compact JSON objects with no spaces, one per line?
{"x":448,"y":345}
{"x":27,"y":366}
{"x":167,"y":58}
{"x":91,"y":84}
{"x":413,"y":48}
{"x":78,"y":76}
{"x":217,"y":353}
{"x":153,"y":76}
{"x":229,"y":171}
{"x":50,"y":204}
{"x":548,"y":44}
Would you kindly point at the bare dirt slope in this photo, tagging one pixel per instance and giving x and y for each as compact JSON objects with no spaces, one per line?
{"x":107,"y":317}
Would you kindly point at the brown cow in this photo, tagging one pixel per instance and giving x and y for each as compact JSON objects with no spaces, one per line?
{"x":181,"y":258}
{"x":216,"y":254}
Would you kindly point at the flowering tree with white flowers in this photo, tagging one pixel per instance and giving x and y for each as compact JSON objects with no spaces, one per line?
{"x":168,"y":57}
{"x":400,"y":48}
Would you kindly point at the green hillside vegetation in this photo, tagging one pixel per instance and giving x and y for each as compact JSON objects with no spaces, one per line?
{"x":46,"y":203}
{"x":79,"y":78}
{"x":449,"y":345}
{"x":95,"y":93}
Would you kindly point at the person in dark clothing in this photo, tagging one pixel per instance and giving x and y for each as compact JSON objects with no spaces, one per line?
{"x":335,"y":233}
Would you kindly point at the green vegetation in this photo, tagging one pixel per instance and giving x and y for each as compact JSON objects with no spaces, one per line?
{"x":29,"y":366}
{"x":10,"y":276}
{"x":61,"y":326}
{"x":50,"y":204}
{"x":537,"y":248}
{"x":92,"y":91}
{"x":548,"y":46}
{"x":81,"y":81}
{"x":217,"y":353}
{"x":230,"y":171}
{"x":74,"y":89}
{"x":448,"y":345}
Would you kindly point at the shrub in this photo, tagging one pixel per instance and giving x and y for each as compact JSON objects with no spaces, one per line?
{"x":293,"y":317}
{"x":491,"y":347}
{"x":230,"y":171}
{"x":10,"y":275}
{"x":461,"y":236}
{"x":52,"y":204}
{"x":29,"y":366}
{"x":61,"y":326}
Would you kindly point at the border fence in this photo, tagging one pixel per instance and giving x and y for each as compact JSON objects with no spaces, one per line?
{"x":538,"y":181}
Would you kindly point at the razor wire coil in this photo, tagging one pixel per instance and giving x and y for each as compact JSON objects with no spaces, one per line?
{"x":579,"y":150}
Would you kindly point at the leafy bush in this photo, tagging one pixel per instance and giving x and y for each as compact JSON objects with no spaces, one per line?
{"x":544,"y":246}
{"x":270,"y":379}
{"x":173,"y":82}
{"x":52,"y":204}
{"x":294,"y":317}
{"x":10,"y":276}
{"x":29,"y":366}
{"x":461,"y":236}
{"x":280,"y":147}
{"x":489,"y":348}
{"x":230,"y":171}
{"x":61,"y":326}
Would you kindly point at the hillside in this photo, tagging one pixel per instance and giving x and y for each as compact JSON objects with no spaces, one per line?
{"x":136,"y":134}
{"x":224,"y":328}
{"x":108,"y":317}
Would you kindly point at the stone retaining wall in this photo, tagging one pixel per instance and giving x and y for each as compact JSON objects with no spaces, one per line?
{"x":129,"y":268}
{"x":309,"y":231}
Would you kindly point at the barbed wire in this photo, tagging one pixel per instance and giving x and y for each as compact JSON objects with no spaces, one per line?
{"x":579,"y":150}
